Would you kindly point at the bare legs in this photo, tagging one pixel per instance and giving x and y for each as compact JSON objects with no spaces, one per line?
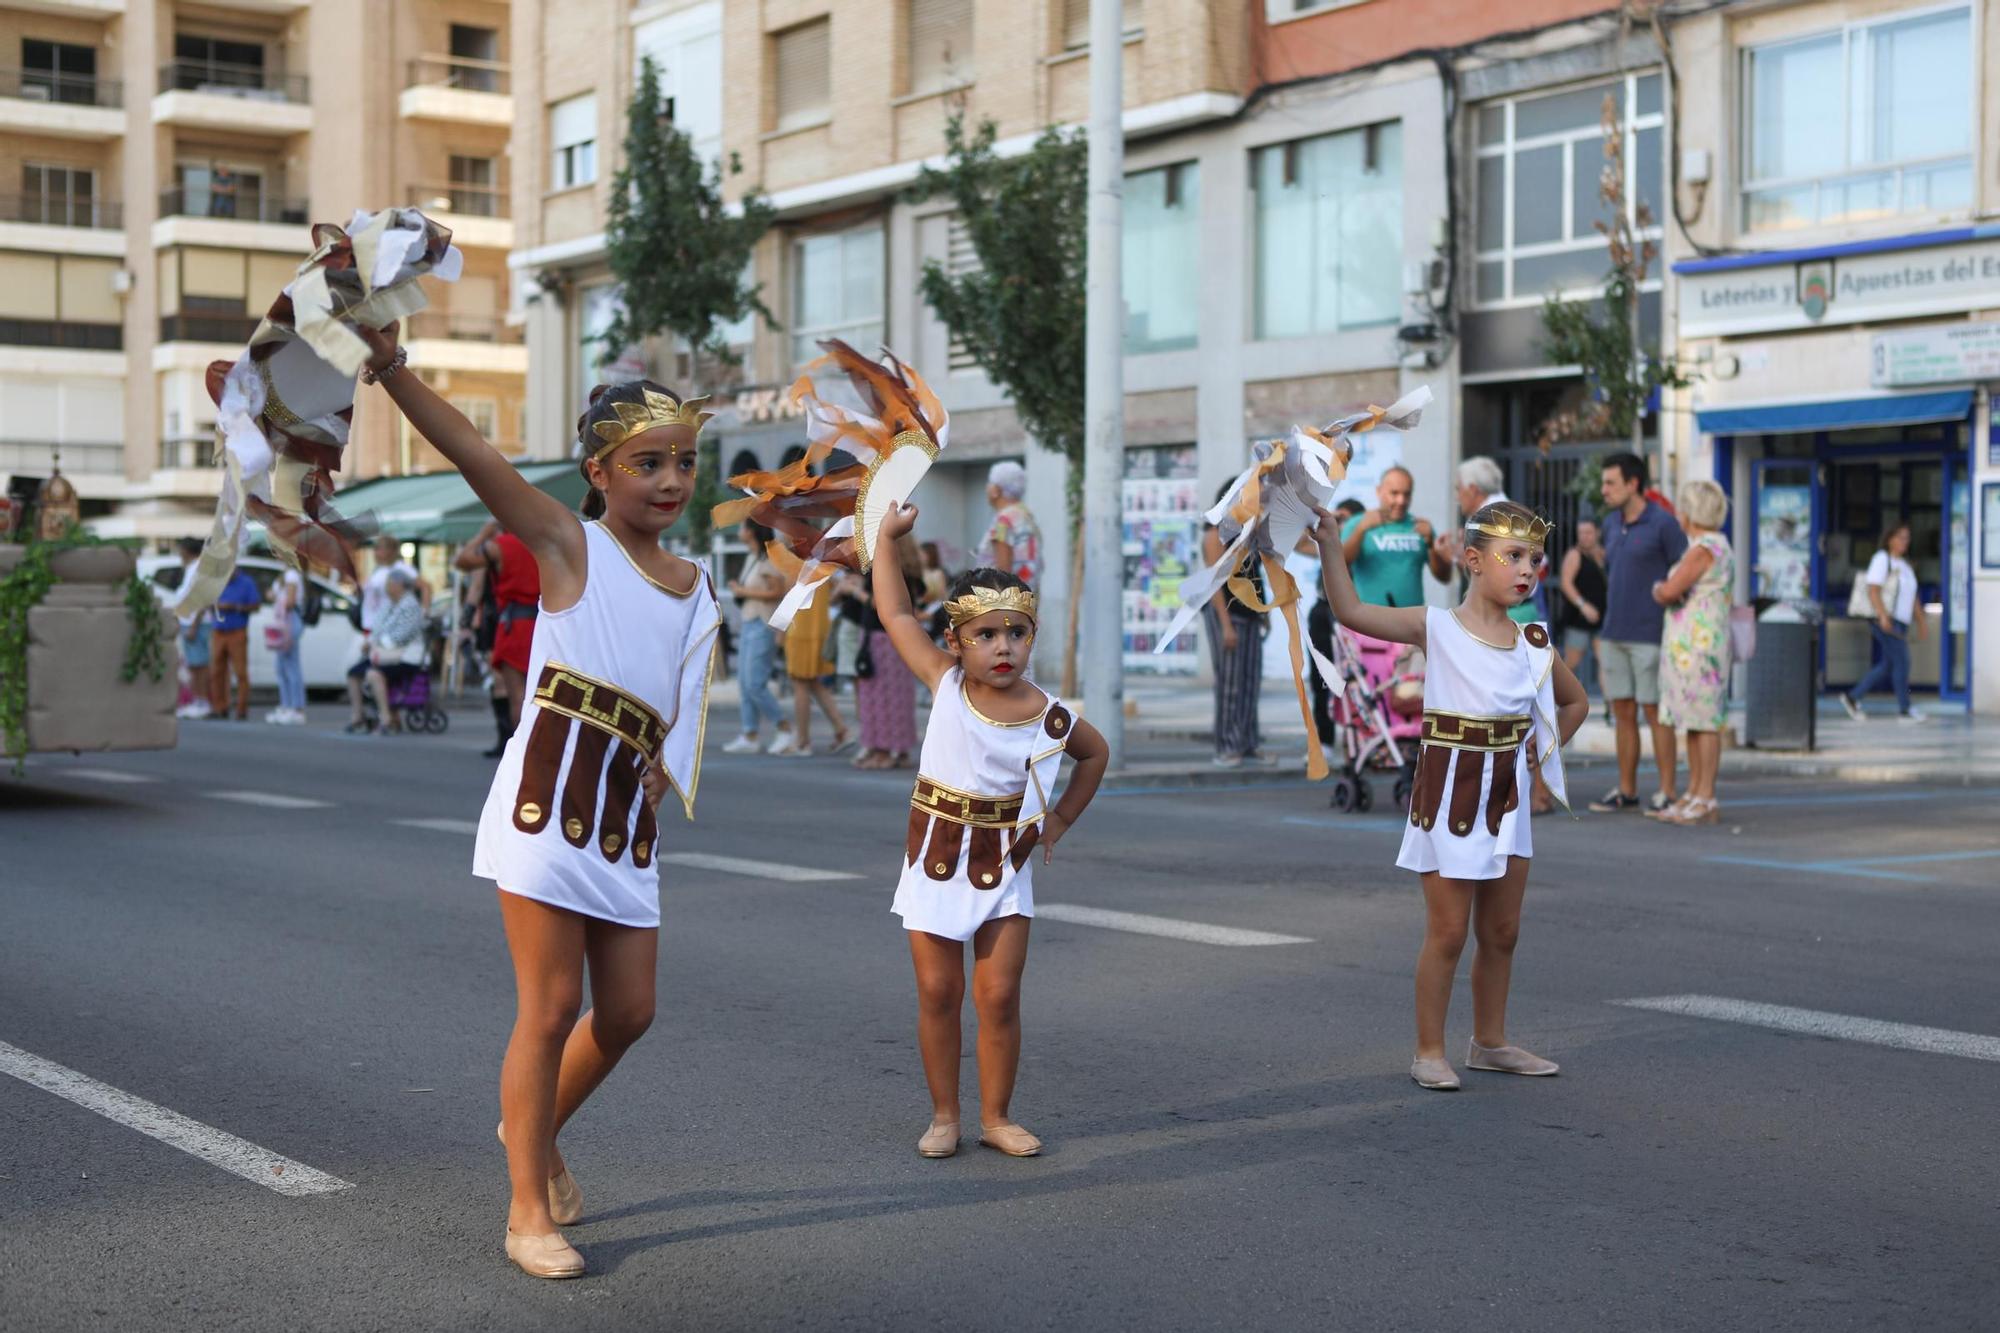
{"x":554,"y":1059}
{"x":1625,"y":722}
{"x":804,"y":692}
{"x":1665,"y":748}
{"x":1000,"y":954}
{"x":515,"y":682}
{"x":1704,"y":759}
{"x":1492,"y":908}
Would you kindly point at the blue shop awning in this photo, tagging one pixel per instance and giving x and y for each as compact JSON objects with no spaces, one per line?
{"x":1889,"y":409}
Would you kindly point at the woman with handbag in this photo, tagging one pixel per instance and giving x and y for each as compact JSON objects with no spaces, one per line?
{"x":885,"y":690}
{"x":1695,"y":648}
{"x":281,"y":636}
{"x":1886,"y":593}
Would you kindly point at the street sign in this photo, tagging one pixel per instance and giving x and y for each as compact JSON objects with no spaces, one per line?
{"x":1942,"y":354}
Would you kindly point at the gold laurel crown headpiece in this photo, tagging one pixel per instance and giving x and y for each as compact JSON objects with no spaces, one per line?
{"x":1530,"y":528}
{"x":981,"y":600}
{"x":655,"y":409}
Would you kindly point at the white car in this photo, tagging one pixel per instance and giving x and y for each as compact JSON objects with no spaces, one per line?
{"x":326,"y":649}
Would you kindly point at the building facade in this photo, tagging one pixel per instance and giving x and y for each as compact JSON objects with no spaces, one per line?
{"x":169,"y":159}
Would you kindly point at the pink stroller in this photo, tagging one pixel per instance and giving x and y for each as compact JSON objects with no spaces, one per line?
{"x":1377,"y":716}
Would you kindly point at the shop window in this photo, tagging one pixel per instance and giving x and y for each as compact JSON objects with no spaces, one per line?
{"x":1329,"y":232}
{"x":837,"y":290}
{"x":1162,"y":247}
{"x":573,"y":141}
{"x":1871,"y":120}
{"x":802,"y":74}
{"x":1538,"y":162}
{"x":940,"y":49}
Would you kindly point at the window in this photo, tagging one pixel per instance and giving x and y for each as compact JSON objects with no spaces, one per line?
{"x":475,"y":53}
{"x":686,"y":49}
{"x":1870,"y":121}
{"x":1076,"y":21}
{"x":1538,"y":163}
{"x":475,"y":183}
{"x":481,"y":412}
{"x":58,"y":71}
{"x":573,"y":137}
{"x":222,"y":190}
{"x":61,"y":196}
{"x":213,"y":62}
{"x":940,"y":44}
{"x":1162,"y":250}
{"x":1329,"y":232}
{"x":836,"y":290}
{"x":803,"y":77}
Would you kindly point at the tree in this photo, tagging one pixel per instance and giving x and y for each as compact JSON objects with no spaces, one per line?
{"x":680,"y":253}
{"x":1020,"y":310}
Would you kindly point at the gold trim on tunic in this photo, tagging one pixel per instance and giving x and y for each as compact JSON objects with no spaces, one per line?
{"x":571,"y":693}
{"x":973,"y":709}
{"x":1464,"y":731}
{"x":951,"y":803}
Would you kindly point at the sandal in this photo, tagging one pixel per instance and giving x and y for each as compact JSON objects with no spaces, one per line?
{"x":1695,"y":810}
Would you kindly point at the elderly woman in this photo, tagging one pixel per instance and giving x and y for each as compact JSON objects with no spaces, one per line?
{"x":1694,"y":648}
{"x":1012,"y":543}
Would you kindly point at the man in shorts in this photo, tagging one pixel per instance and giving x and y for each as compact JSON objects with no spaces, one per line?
{"x":1641,"y":543}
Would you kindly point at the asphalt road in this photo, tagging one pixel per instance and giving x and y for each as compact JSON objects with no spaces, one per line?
{"x":1233,"y":1141}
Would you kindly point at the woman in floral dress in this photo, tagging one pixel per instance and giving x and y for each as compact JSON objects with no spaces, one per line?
{"x":1694,"y":657}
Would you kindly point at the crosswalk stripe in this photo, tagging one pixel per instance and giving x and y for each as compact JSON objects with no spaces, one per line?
{"x":110,"y":775}
{"x":736,"y":865}
{"x":271,"y":800}
{"x":441,"y":825}
{"x":1816,"y":1023}
{"x":1167,"y":927}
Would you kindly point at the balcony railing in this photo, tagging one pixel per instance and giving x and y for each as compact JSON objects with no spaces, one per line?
{"x":62,"y":333}
{"x":185,"y":328}
{"x":43,"y":85}
{"x":461,"y":328}
{"x":33,"y":458}
{"x":256,"y":205}
{"x":472,"y":201}
{"x":251,"y":82}
{"x":461,"y":72}
{"x":188,"y":451}
{"x":60,"y":210}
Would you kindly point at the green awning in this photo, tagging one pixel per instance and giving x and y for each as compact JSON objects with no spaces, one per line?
{"x":440,"y":506}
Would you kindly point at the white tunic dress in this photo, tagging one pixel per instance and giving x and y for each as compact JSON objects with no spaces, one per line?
{"x":1483,"y":706}
{"x":615,"y":680}
{"x":982,"y":790}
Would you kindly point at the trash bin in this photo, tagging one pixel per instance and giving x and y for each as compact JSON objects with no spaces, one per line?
{"x":1783,"y":687}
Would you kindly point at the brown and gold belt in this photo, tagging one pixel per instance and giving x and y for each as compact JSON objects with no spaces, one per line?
{"x":945,"y":821}
{"x":1457,"y":801}
{"x":600,"y":704}
{"x":1461,"y":731}
{"x":964,"y":807}
{"x":620,"y":736}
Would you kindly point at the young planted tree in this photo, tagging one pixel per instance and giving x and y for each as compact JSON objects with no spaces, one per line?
{"x":1020,"y":310}
{"x":681,"y":254}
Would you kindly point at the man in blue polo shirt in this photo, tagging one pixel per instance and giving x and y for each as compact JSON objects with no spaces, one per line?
{"x":1641,"y":543}
{"x":229,"y":649}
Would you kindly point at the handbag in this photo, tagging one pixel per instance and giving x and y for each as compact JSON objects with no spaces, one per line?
{"x":277,"y":638}
{"x":864,"y":661}
{"x":1858,"y":604}
{"x":1742,"y":633}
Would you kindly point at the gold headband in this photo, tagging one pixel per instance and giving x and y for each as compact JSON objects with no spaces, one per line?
{"x":981,"y":600}
{"x":1530,"y":528}
{"x":655,"y":410}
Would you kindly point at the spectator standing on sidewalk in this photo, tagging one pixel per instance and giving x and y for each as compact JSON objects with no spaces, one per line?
{"x":1013,"y":542}
{"x":1892,"y":596}
{"x":1235,"y":634}
{"x":1642,"y":542}
{"x":288,"y":602}
{"x":1387,"y":550}
{"x":1583,"y":592}
{"x":230,"y":645}
{"x":757,"y":590}
{"x":1694,"y":655}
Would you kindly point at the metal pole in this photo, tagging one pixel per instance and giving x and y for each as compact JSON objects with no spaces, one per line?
{"x":1104,"y":389}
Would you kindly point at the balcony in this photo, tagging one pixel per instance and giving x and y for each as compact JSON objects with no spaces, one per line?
{"x":457,"y":88}
{"x":255,"y":218}
{"x":476,"y":214}
{"x":186,"y":327}
{"x":62,"y":106}
{"x":212,"y":95}
{"x":33,"y":458}
{"x":485,"y":344}
{"x":62,"y":333}
{"x":62,"y":223}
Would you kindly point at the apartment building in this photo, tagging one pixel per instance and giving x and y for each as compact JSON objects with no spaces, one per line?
{"x":1836,"y":288}
{"x":160,"y":165}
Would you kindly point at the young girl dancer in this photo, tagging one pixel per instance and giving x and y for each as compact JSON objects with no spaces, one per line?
{"x":990,"y":756}
{"x":617,"y":692}
{"x":1499,"y":703}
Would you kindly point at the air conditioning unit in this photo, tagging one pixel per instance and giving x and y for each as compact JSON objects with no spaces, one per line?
{"x":35,"y":92}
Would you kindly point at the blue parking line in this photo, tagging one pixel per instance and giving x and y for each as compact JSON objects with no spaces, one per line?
{"x":1854,"y":798}
{"x":1814,"y":868}
{"x":1919,"y":857}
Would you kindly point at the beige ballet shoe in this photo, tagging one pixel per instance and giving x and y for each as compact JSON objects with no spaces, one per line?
{"x":565,"y":1195}
{"x":547,"y":1256}
{"x":1434,"y":1073}
{"x":1508,"y":1060}
{"x":1011,"y":1139}
{"x":940,"y":1140}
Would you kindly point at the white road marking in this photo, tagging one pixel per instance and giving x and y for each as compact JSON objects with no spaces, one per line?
{"x":213,"y":1146}
{"x":736,"y":865}
{"x":1816,"y":1023}
{"x":442,"y":825}
{"x":272,"y":800}
{"x":108,"y":775}
{"x":1194,"y":931}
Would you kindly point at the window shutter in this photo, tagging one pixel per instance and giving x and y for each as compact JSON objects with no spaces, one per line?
{"x":959,"y":259}
{"x":1076,"y":21}
{"x":573,"y":121}
{"x":803,"y":73}
{"x":940,"y":44}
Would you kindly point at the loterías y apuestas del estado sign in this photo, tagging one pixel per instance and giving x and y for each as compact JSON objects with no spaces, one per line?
{"x":1938,"y":274}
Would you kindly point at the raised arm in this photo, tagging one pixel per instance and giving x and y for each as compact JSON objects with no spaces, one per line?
{"x":1397,"y":624}
{"x":892,"y":602}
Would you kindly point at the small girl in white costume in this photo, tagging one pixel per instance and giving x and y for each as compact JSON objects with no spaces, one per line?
{"x":1498,"y":704}
{"x":618,"y":690}
{"x":981,"y":807}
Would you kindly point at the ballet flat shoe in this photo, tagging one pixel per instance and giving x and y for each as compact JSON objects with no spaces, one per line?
{"x":940,"y":1140}
{"x":547,"y":1256}
{"x":1010,"y":1139}
{"x":1508,"y":1060}
{"x":1434,"y":1073}
{"x":565,"y":1195}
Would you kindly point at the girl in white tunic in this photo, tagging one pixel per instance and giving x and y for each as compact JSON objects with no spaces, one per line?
{"x":617,"y":697}
{"x":1499,"y":703}
{"x":983,"y":804}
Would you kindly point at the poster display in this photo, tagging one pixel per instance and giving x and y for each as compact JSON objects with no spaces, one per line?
{"x":1784,"y":542}
{"x":1958,"y":597}
{"x":1162,"y":543}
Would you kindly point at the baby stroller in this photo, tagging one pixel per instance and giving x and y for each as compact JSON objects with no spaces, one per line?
{"x":1377,"y":716}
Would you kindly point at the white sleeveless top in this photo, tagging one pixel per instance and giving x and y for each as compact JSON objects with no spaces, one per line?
{"x":656,"y":646}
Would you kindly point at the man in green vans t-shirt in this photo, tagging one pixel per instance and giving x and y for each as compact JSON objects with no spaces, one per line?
{"x":1387,"y":550}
